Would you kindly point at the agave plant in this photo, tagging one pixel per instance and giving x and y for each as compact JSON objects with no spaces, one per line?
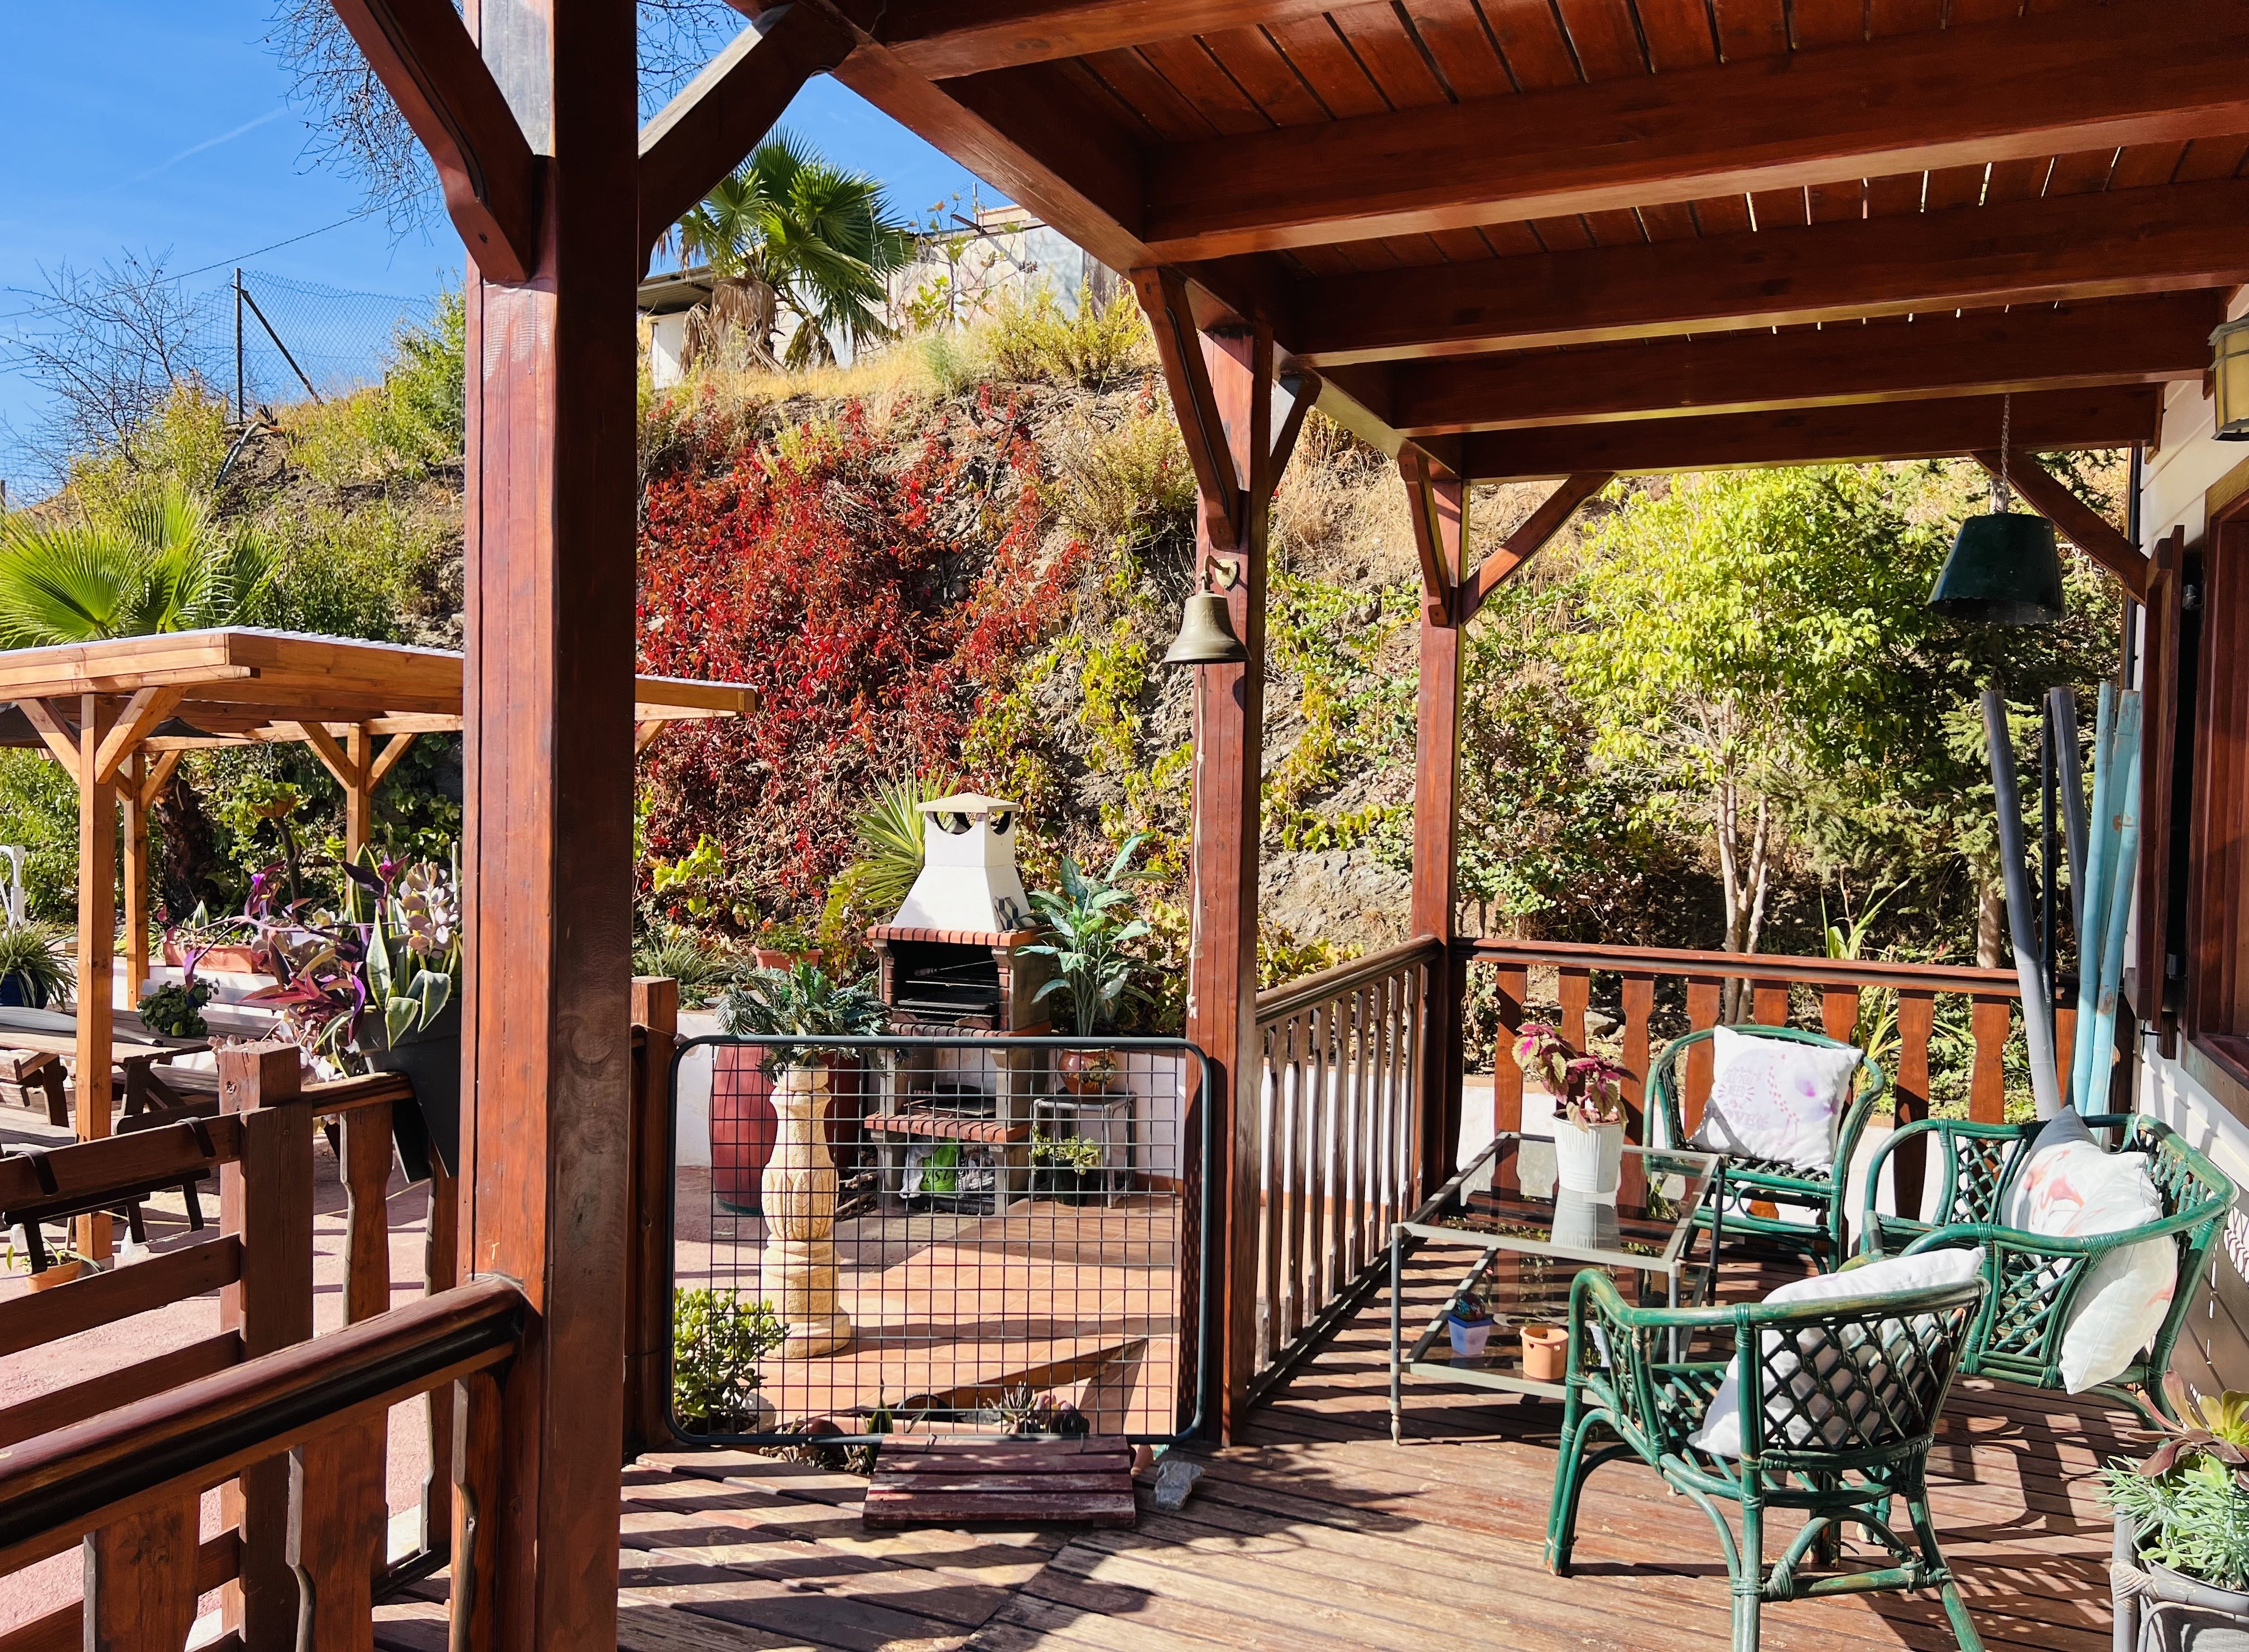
{"x":2212,"y":1426}
{"x":1090,"y":928}
{"x":32,"y":958}
{"x":159,"y":564}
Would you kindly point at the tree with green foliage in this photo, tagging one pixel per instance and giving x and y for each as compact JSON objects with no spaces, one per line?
{"x":787,"y":228}
{"x":158,"y":561}
{"x":1757,"y":645}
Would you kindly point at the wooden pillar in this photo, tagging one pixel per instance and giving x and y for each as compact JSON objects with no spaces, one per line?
{"x":648,"y":1308}
{"x":359,"y":794}
{"x":1440,"y":506}
{"x":97,"y":940}
{"x":1239,"y":422}
{"x":548,"y":705}
{"x":132,"y":788}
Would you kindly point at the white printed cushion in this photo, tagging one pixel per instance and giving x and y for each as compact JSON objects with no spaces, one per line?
{"x":2070,"y":1188}
{"x":1775,"y":1098}
{"x":1804,"y":1409}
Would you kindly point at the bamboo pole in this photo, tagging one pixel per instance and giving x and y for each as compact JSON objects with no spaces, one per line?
{"x":2063,"y":704}
{"x":2096,"y":1033}
{"x":2037,"y":999}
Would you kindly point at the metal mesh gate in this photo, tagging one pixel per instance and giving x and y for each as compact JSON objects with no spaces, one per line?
{"x":939,"y":1234}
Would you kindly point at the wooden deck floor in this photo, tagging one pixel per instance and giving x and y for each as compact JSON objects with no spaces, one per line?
{"x":1314,"y":1533}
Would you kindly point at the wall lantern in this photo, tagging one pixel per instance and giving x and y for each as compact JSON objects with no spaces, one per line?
{"x":1205,"y":629}
{"x":2230,"y":374}
{"x":2006,"y":568}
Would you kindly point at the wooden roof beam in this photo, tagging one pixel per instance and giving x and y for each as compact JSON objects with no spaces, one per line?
{"x":2172,"y":238}
{"x":2118,"y":341}
{"x":2089,"y":78}
{"x":423,"y":53}
{"x":943,"y":38}
{"x":702,"y":134}
{"x":2105,"y":417}
{"x":2076,"y":521}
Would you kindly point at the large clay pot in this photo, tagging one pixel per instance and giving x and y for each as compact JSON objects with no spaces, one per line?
{"x":744,"y":1123}
{"x":1085,"y":1072}
{"x":798,"y":1194}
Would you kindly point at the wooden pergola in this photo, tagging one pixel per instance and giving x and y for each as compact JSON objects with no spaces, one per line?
{"x":1563,"y":239}
{"x":119,"y":714}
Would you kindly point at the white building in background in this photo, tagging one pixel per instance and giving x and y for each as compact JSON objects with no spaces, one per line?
{"x":964,"y":272}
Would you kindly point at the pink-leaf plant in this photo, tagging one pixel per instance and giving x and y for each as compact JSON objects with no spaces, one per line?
{"x":1589,"y":1088}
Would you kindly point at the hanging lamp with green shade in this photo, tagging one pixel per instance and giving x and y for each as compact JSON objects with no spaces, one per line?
{"x":2005,"y":567}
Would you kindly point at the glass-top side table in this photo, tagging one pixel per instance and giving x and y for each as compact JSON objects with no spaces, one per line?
{"x":1530,"y":1237}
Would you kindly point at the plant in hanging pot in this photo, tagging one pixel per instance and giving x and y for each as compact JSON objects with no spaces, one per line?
{"x":1589,"y":1120}
{"x":1091,"y":928}
{"x":33,"y":971}
{"x":2183,"y":1524}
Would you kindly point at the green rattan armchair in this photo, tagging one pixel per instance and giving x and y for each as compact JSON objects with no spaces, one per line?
{"x":2035,"y":1280}
{"x":1820,"y":1193}
{"x":1862,"y":1379}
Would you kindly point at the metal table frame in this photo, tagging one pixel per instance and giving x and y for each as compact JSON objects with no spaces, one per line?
{"x":1419,"y":1229}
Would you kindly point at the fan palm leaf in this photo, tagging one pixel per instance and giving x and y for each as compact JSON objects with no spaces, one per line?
{"x":158,"y":564}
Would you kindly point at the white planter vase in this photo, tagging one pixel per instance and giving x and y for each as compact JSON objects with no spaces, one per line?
{"x":1588,"y":1160}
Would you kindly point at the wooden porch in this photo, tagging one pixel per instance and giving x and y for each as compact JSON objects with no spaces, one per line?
{"x":1312,"y":1530}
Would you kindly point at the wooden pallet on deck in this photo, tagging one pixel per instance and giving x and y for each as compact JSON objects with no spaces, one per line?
{"x":1085,"y":1481}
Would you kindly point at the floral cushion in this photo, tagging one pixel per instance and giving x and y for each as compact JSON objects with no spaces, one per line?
{"x":2070,"y":1188}
{"x":1775,"y":1098}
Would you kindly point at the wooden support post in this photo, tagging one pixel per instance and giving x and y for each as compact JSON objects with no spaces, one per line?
{"x":1909,"y":1164}
{"x":140,"y":1589}
{"x":440,"y":1271}
{"x":1440,"y":508}
{"x":97,"y":940}
{"x":132,"y":789}
{"x":358,"y":793}
{"x":337,"y":1523}
{"x":1991,"y":1018}
{"x":265,"y":1200}
{"x":1224,"y":393}
{"x":548,"y":697}
{"x":1510,"y":986}
{"x":648,"y":1306}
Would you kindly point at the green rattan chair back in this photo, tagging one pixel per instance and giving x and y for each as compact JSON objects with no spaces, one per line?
{"x":1819,"y":1194}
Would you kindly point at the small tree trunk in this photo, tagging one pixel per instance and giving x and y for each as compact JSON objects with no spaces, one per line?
{"x":1990,"y":922}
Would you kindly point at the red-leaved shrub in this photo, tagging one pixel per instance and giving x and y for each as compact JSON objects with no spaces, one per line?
{"x":867,"y":604}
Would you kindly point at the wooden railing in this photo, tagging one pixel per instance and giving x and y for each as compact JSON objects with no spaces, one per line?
{"x":306,"y":1420}
{"x":1340,"y":1140}
{"x":1771,"y":980}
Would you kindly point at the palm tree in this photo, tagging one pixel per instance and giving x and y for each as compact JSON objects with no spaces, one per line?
{"x":159,"y":563}
{"x":786,"y":228}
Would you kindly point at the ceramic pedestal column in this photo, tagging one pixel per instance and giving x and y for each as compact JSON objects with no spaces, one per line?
{"x":798,"y":1193}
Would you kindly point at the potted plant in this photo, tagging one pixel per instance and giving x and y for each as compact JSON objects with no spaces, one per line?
{"x":176,"y":1010}
{"x":1091,"y":925}
{"x":1589,"y":1126}
{"x":717,"y":1340}
{"x":1469,"y":1319}
{"x":802,"y":1002}
{"x":782,"y":945}
{"x":2182,"y":1522}
{"x":223,"y":946}
{"x":375,"y":988}
{"x":1073,"y":1169}
{"x":33,"y":970}
{"x":1545,"y":1351}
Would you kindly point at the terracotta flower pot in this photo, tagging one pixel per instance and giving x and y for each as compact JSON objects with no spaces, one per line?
{"x":1545,"y":1353}
{"x":57,"y":1273}
{"x":226,"y":960}
{"x":1085,"y":1072}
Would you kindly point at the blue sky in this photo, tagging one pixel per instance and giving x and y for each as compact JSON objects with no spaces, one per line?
{"x":158,"y":127}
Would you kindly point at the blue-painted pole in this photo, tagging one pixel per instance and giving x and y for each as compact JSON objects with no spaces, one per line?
{"x":2095,"y":1052}
{"x":2094,"y":909}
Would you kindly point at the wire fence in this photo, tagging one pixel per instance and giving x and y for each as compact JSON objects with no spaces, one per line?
{"x":299,"y":337}
{"x":940,"y":1235}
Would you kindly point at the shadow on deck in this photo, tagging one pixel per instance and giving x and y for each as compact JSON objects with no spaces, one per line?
{"x":1315,"y":1531}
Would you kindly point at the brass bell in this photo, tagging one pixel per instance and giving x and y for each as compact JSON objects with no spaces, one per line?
{"x":1206,"y":634}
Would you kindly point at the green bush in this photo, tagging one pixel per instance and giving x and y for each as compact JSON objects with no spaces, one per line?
{"x":717,"y":1340}
{"x":411,"y":423}
{"x":38,"y":810}
{"x":368,"y":571}
{"x":1098,"y":347}
{"x":1130,"y":483}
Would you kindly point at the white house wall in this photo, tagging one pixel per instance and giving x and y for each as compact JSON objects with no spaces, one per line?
{"x":2173,"y":482}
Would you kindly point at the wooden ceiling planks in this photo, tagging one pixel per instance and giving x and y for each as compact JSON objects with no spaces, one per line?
{"x":1453,"y":32}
